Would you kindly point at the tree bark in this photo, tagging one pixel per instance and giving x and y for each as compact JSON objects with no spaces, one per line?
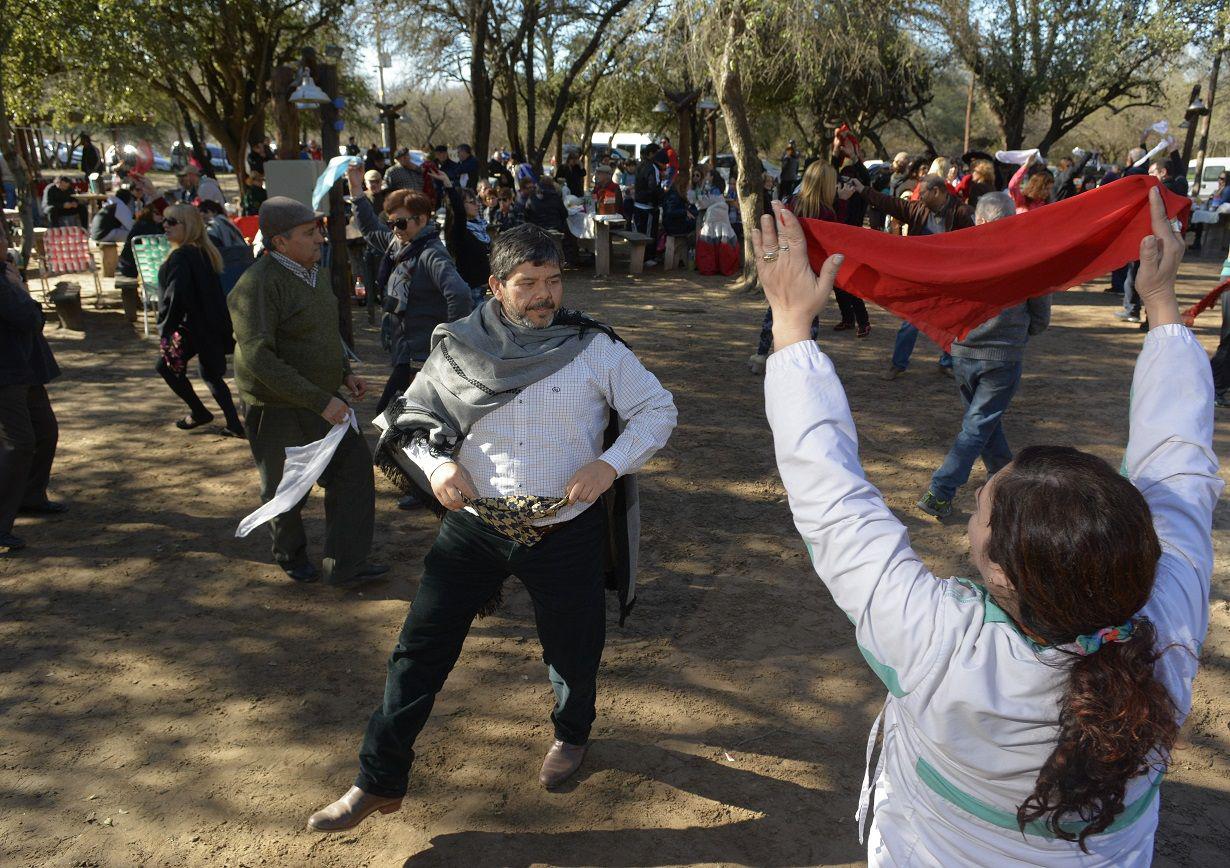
{"x":285,"y":116}
{"x":728,"y":82}
{"x":20,"y":178}
{"x":480,"y":79}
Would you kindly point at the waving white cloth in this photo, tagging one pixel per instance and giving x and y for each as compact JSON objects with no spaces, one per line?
{"x":303,"y":467}
{"x":1018,"y":158}
{"x":1163,"y":145}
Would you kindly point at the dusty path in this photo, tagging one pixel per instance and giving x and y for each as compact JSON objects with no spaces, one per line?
{"x":169,"y":698}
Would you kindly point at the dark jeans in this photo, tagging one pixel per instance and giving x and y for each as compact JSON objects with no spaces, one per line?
{"x":765,"y":342}
{"x":853,"y":309}
{"x":211,"y":362}
{"x":646,"y":222}
{"x":463,"y":571}
{"x":903,"y":348}
{"x":399,"y":380}
{"x":350,"y":490}
{"x":28,"y":437}
{"x":987,"y":389}
{"x":1221,"y":365}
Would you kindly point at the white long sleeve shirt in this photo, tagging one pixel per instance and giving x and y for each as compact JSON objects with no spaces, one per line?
{"x":535,"y":443}
{"x":971,"y":715}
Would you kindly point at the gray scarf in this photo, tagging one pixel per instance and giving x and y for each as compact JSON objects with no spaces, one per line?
{"x":477,"y":364}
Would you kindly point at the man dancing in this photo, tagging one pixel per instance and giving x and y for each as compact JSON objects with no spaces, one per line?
{"x":509,"y":426}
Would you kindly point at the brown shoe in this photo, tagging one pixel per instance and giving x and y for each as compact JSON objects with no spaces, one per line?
{"x":351,"y":810}
{"x":561,"y":763}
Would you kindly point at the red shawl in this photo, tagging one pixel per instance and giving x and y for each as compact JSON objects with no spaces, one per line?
{"x":948,"y":284}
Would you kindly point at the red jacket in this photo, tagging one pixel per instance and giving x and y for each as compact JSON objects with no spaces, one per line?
{"x":672,"y":157}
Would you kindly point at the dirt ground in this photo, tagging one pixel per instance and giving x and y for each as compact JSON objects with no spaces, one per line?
{"x":171,"y":699}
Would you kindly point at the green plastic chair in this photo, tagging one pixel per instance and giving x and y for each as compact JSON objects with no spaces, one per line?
{"x":150,"y":251}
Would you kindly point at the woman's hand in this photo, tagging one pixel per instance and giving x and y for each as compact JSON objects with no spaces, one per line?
{"x":1160,"y":256}
{"x":796,"y":294}
{"x":442,"y":178}
{"x":354,"y":177}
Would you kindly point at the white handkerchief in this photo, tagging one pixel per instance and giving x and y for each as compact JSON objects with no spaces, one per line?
{"x":304,"y":465}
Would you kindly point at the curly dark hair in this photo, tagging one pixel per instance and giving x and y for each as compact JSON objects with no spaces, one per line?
{"x":1076,"y":540}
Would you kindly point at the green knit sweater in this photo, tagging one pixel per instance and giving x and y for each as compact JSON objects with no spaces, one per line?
{"x":288,"y":351}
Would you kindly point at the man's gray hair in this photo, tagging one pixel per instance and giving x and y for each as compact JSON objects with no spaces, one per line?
{"x":934,"y":182}
{"x":993,"y":206}
{"x":522,"y":244}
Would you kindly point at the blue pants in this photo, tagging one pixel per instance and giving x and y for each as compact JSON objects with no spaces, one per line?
{"x":987,"y":389}
{"x":903,"y":348}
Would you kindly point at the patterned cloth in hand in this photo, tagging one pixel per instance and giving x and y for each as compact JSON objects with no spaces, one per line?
{"x":511,"y":516}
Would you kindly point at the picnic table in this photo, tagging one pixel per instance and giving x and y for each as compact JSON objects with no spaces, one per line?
{"x":93,"y":201}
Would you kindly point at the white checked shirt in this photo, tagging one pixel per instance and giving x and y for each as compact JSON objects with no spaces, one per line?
{"x":535,"y":443}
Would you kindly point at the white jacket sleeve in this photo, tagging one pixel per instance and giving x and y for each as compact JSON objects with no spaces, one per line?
{"x":857,"y":546}
{"x":1170,"y":459}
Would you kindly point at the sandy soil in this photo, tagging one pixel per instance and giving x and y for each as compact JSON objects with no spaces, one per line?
{"x":170,"y":698}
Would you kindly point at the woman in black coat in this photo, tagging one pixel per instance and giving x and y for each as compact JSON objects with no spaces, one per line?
{"x":467,"y":236}
{"x":193,"y":319}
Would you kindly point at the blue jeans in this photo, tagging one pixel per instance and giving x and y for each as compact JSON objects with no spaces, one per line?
{"x":903,"y":348}
{"x":987,"y":389}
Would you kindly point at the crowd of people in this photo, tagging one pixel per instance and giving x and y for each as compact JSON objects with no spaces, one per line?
{"x":522,"y":424}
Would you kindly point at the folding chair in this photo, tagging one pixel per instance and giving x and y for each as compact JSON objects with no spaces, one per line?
{"x":66,"y":250}
{"x":150,"y":251}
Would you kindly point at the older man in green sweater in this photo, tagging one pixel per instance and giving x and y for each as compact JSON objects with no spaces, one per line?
{"x":289,"y":365}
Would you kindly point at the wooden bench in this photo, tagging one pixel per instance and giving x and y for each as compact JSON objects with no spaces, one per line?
{"x":676,"y":254}
{"x":110,"y":251}
{"x":637,"y":245}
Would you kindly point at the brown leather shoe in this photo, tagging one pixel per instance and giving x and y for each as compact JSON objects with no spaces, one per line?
{"x":561,"y":763}
{"x":351,"y":810}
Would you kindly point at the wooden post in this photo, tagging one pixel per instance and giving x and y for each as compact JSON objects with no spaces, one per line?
{"x":339,"y":254}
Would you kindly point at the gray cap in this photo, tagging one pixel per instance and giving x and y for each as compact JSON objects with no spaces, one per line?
{"x":280,"y":214}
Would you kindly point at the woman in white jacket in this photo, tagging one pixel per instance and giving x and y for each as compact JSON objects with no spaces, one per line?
{"x":1030,"y":714}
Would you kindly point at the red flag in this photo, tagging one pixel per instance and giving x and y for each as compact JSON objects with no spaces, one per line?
{"x":948,"y":284}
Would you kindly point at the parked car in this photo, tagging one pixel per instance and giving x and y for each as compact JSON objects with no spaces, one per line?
{"x":217,"y":156}
{"x":1213,"y":166}
{"x":162,"y":163}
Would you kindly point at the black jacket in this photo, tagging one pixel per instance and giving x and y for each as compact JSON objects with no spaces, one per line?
{"x":546,"y":209}
{"x":25,"y":357}
{"x":424,"y":288}
{"x":471,"y":253}
{"x":574,"y":177}
{"x":90,"y":160}
{"x":54,"y":200}
{"x":193,"y":301}
{"x":127,"y":265}
{"x":470,"y":168}
{"x":647,"y":189}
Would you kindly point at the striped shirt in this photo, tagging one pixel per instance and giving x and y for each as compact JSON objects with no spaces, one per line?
{"x":535,"y":443}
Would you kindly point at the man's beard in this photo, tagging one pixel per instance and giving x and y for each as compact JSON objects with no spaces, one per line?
{"x":522,"y":320}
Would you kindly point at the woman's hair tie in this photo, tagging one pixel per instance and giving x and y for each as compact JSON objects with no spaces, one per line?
{"x":1086,"y":645}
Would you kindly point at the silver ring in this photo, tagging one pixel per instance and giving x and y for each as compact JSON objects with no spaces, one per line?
{"x":783,"y":247}
{"x":770,"y":257}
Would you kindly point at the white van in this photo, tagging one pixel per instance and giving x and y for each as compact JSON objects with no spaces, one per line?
{"x":1213,"y":167}
{"x":629,"y":143}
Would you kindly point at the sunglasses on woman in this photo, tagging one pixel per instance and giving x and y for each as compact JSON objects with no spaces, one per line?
{"x":399,"y":223}
{"x":170,"y":221}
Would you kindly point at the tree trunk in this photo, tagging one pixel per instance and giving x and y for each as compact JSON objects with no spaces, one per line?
{"x":285,"y":116}
{"x":20,"y":178}
{"x":729,"y":85}
{"x":480,"y":80}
